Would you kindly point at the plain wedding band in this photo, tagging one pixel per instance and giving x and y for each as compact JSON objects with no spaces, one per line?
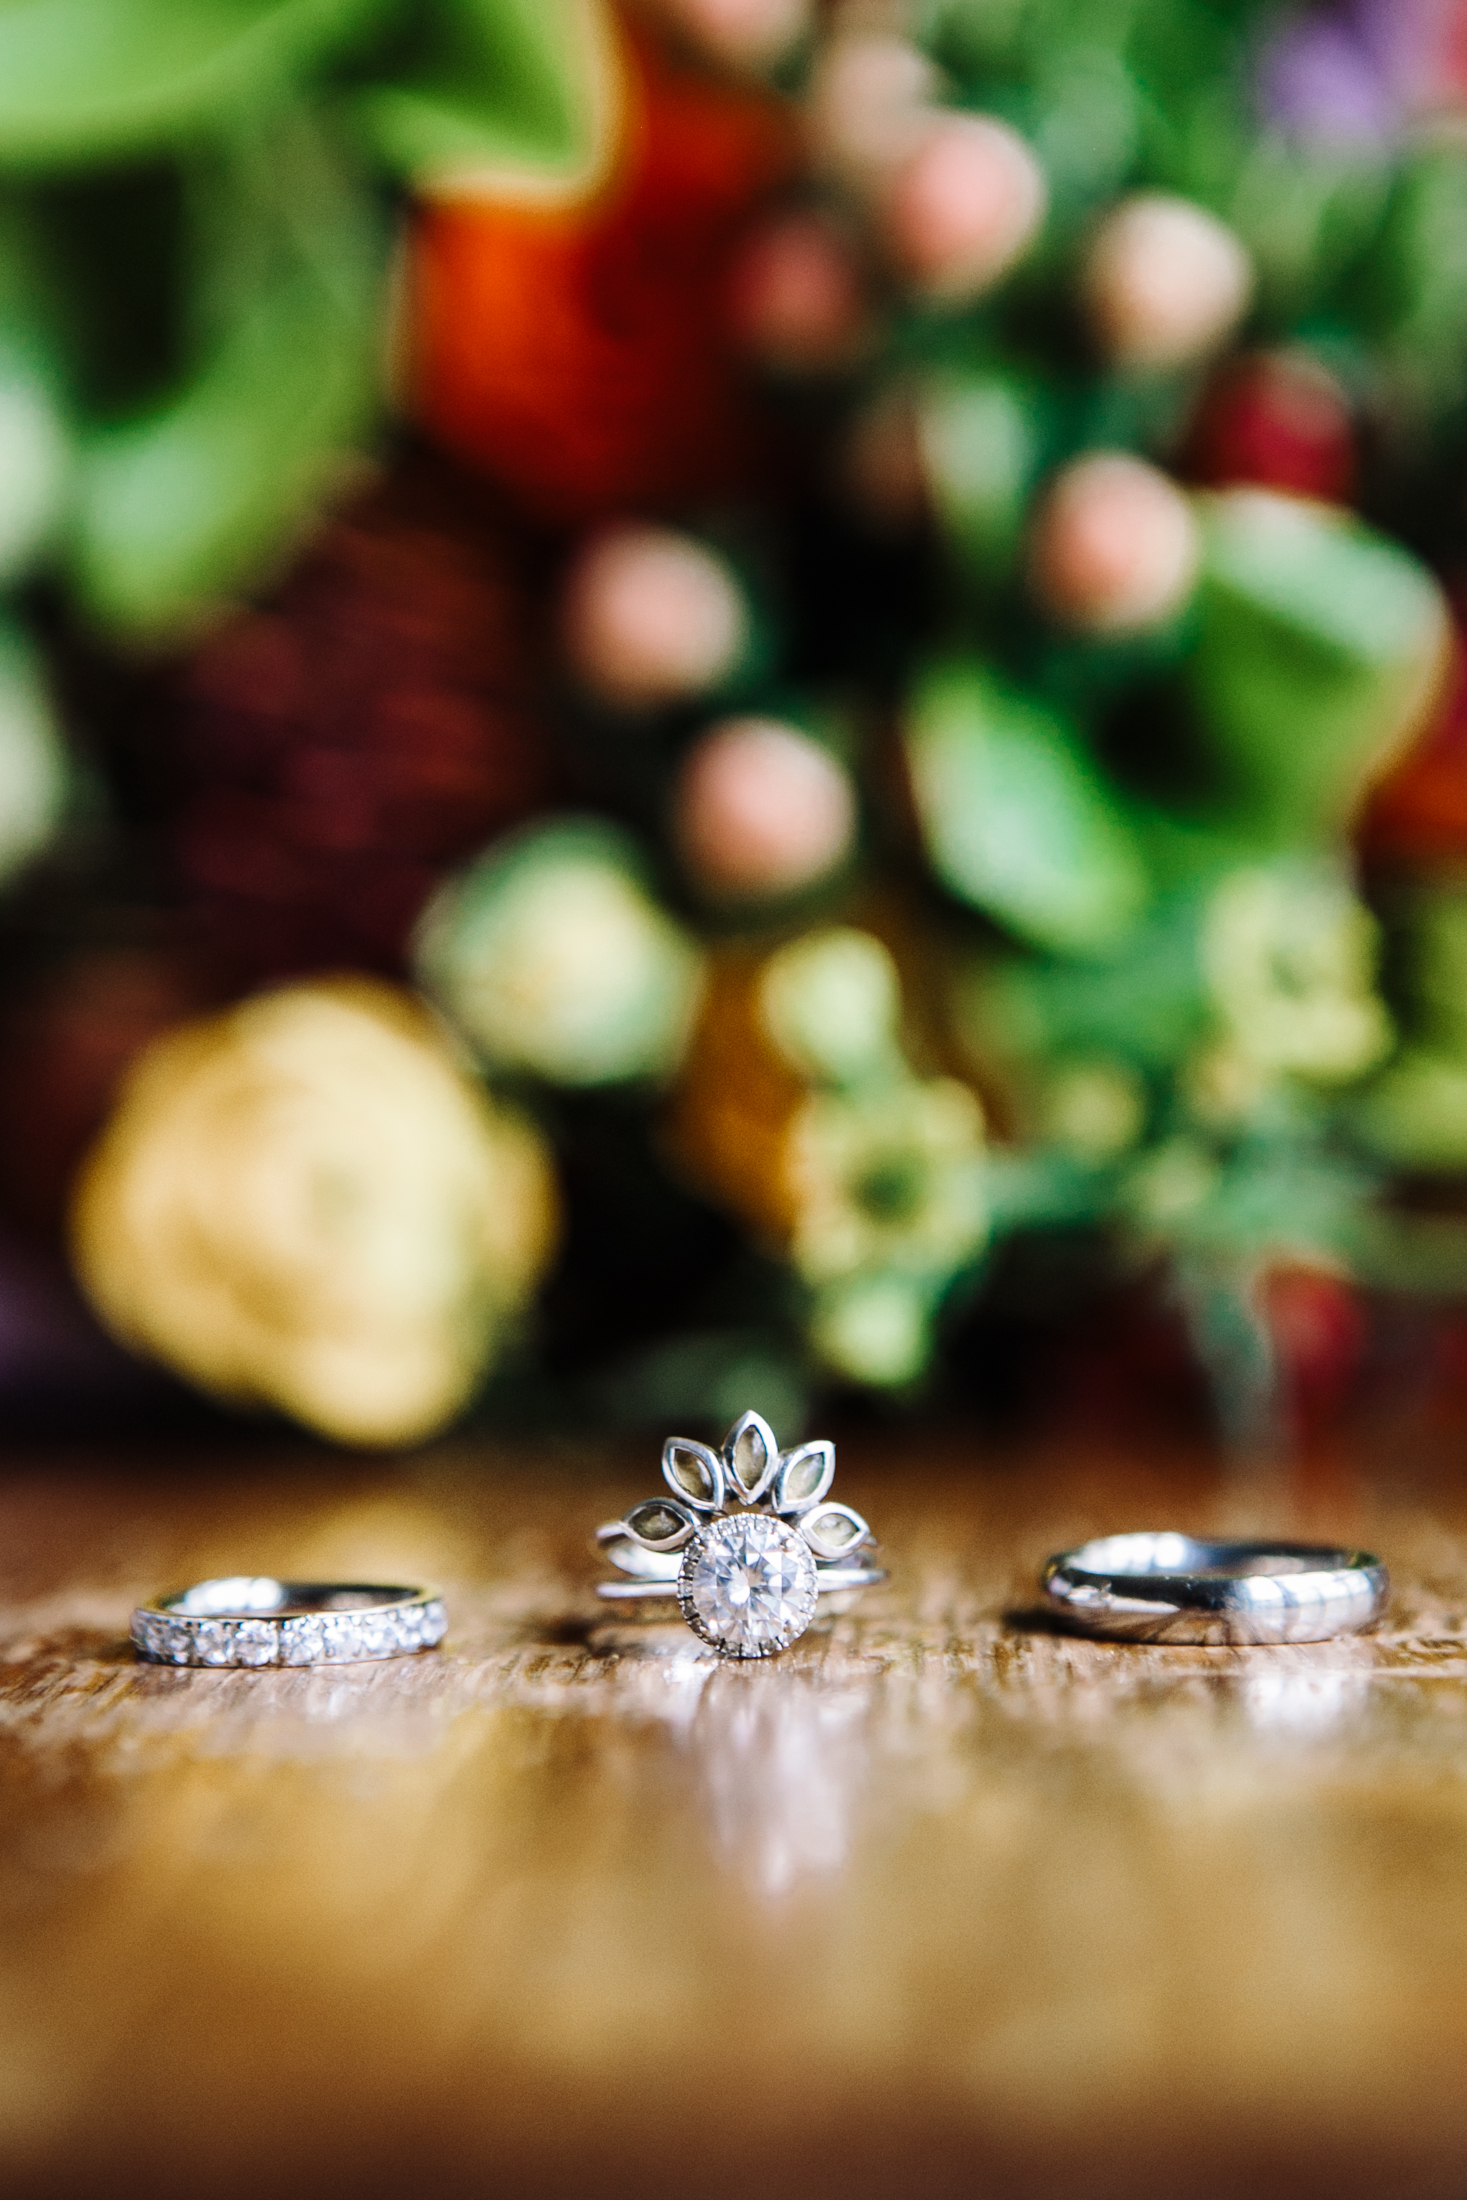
{"x":1164,"y":1587}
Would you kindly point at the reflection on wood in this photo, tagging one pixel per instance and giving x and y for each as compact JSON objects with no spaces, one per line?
{"x":937,"y":1903}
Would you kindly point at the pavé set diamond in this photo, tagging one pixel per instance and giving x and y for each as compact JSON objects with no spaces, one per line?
{"x":260,"y":1621}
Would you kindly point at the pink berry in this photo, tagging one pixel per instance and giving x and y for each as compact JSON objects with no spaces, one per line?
{"x":795,"y":295}
{"x":1164,"y":281}
{"x":868,"y":105}
{"x":649,"y":616}
{"x":743,"y":34}
{"x":964,"y":205}
{"x":761,"y":809}
{"x":1115,"y":546}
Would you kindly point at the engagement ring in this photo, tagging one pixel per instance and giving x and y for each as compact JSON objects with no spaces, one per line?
{"x":747,"y":1542}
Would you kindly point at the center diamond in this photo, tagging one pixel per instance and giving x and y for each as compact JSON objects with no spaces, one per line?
{"x":748,"y":1585}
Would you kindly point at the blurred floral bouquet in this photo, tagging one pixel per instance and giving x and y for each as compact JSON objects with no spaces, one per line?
{"x":811,"y":658}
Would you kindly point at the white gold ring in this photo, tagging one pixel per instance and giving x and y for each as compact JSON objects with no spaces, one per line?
{"x":747,"y":1543}
{"x":1177,"y":1588}
{"x":253,"y":1619}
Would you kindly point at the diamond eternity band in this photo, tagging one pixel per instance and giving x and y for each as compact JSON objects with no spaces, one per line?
{"x":256,"y":1620}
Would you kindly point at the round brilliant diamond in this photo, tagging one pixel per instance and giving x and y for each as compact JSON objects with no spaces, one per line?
{"x":748,"y":1585}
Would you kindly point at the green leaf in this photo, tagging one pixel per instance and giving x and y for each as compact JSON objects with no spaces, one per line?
{"x":90,"y":80}
{"x":1429,"y":934}
{"x":1412,"y":291}
{"x":1319,"y":644}
{"x":1306,"y":215}
{"x":981,"y":448}
{"x":1415,"y":1115}
{"x":188,"y":503}
{"x":33,"y":775}
{"x":1145,"y":1004}
{"x":35,"y":463}
{"x":1016,"y":820}
{"x":494,"y":86}
{"x":35,"y":446}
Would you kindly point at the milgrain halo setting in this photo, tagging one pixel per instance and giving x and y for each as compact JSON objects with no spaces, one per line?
{"x":1169,"y":1588}
{"x":255,"y":1620}
{"x":748,"y":1541}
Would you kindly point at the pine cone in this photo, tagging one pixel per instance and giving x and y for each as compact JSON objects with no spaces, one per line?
{"x":332,"y":753}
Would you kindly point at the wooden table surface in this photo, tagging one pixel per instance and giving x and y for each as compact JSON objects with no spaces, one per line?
{"x":937,"y":1903}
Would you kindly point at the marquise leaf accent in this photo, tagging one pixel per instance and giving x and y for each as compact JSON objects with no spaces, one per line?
{"x":693,"y":1473}
{"x":751,"y":1456}
{"x":659,"y":1524}
{"x":834,"y":1531}
{"x":805,"y":1474}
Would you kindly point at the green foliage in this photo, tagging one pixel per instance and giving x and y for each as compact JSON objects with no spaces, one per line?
{"x":1182,"y":1015}
{"x":1017,"y":821}
{"x":83,"y":81}
{"x":980,"y":444}
{"x":489,"y":85}
{"x":1317,"y":644}
{"x":33,"y":769}
{"x":35,"y":464}
{"x":173,"y":509}
{"x":1145,"y":1003}
{"x":191,"y":256}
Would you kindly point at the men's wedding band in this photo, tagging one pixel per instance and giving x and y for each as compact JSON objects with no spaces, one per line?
{"x":253,"y":1619}
{"x":1177,"y":1588}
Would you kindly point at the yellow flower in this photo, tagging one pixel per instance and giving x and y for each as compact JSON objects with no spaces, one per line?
{"x":1290,"y":958}
{"x":304,"y":1203}
{"x":832,"y":1003}
{"x":1094,"y":1109}
{"x":890,"y":1179}
{"x":1171,"y":1184}
{"x":551,"y":956}
{"x":874,"y":1329}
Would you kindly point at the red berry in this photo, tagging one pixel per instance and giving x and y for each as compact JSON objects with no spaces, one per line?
{"x":964,"y":206}
{"x":1278,"y":419}
{"x":1419,"y":813}
{"x":796,"y":300}
{"x":1318,"y":1328}
{"x":649,"y":615}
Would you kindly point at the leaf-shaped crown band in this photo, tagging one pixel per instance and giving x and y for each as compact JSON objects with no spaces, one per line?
{"x":748,"y":1473}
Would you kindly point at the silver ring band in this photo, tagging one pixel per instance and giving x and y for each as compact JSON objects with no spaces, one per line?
{"x":828,"y":1580}
{"x":1176,"y":1588}
{"x":254,"y":1620}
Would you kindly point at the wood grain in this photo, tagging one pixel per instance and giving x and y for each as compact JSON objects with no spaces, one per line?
{"x":940,"y":1902}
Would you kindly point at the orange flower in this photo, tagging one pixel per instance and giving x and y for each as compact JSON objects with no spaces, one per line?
{"x":581,"y":356}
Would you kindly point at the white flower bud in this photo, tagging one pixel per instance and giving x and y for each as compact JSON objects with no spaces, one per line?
{"x":1115,"y":546}
{"x":1164,"y":282}
{"x":650,"y":616}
